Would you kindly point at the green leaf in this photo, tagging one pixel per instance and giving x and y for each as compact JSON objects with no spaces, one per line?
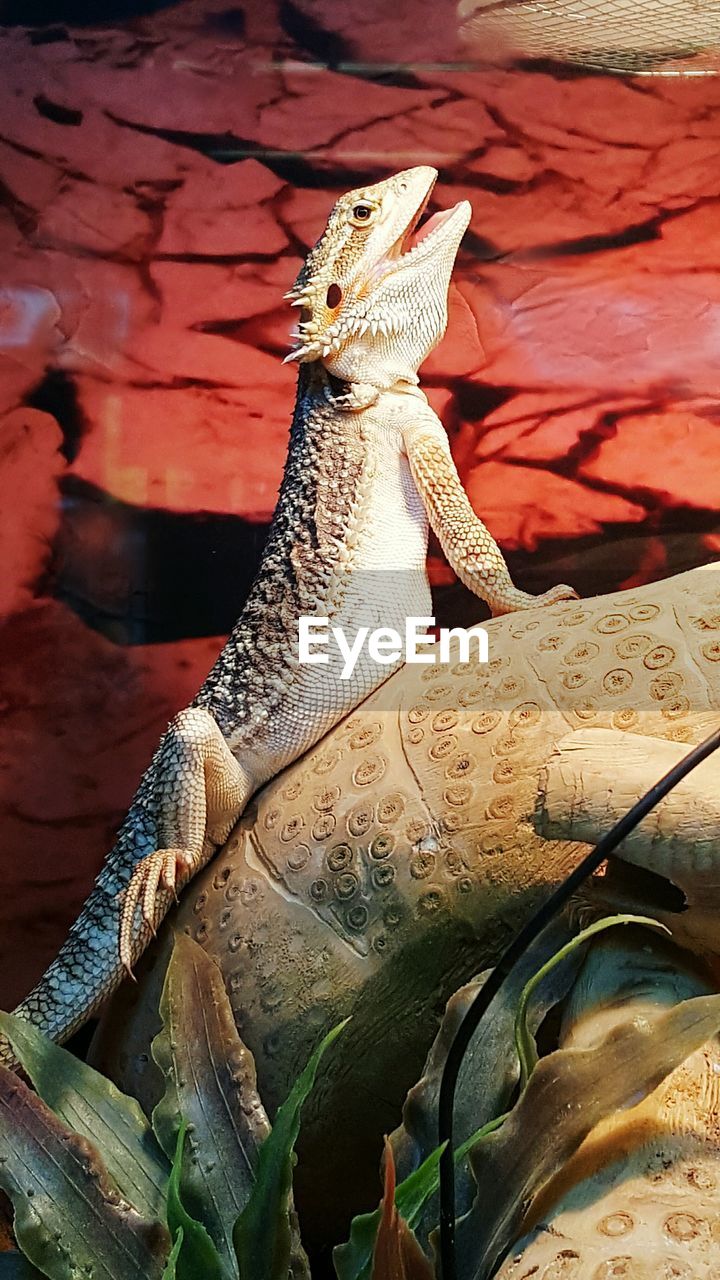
{"x":69,"y":1218}
{"x":196,"y":1255}
{"x":568,"y":1094}
{"x":353,"y":1259}
{"x":93,"y":1108}
{"x":170,"y":1272}
{"x":524,"y":1039}
{"x":493,"y":1052}
{"x":210,"y":1082}
{"x":262,"y":1233}
{"x":476,"y":1138}
{"x":490,"y":1069}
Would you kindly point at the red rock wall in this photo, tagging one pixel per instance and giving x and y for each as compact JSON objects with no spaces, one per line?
{"x":159,"y":182}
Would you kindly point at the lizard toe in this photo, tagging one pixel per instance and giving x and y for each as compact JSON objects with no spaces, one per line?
{"x":152,"y":873}
{"x":157,"y":871}
{"x":556,"y":594}
{"x":130,"y":900}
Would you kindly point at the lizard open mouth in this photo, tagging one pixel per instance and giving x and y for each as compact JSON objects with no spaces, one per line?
{"x":415,"y":232}
{"x":422,"y":230}
{"x":423,"y":238}
{"x":428,"y":228}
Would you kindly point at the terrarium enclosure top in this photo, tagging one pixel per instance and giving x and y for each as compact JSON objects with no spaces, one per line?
{"x":655,"y":37}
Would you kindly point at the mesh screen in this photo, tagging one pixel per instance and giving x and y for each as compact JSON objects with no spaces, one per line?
{"x":651,"y":37}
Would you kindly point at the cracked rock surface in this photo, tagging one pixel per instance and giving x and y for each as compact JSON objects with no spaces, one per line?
{"x":161,"y":176}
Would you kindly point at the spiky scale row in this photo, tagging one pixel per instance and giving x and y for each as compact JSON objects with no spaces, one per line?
{"x":314,"y":346}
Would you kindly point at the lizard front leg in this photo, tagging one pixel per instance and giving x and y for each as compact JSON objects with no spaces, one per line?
{"x":198,"y":792}
{"x":469,"y":546}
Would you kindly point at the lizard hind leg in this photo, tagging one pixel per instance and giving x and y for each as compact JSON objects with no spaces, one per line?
{"x":199,"y":790}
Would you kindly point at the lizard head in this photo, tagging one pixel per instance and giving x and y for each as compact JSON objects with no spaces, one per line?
{"x":373,"y":290}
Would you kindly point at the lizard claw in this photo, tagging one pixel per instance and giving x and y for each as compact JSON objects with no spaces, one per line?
{"x":160,"y":870}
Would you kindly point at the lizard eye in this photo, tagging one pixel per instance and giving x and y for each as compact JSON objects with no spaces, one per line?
{"x":334,"y":296}
{"x":362,"y":213}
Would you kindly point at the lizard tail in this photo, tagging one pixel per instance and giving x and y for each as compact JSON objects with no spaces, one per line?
{"x":85,"y":972}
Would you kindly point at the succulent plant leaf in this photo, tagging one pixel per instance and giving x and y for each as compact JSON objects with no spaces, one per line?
{"x":490,"y":1070}
{"x":210,"y":1083}
{"x":353,"y":1259}
{"x":170,"y":1272}
{"x":89,"y":1104}
{"x":524,"y":1038}
{"x":568,"y":1094}
{"x":196,"y":1254}
{"x":69,"y":1218}
{"x":263,"y":1231}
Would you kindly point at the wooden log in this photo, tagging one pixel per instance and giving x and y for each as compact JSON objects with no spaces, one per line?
{"x":595,"y":775}
{"x":397,"y":858}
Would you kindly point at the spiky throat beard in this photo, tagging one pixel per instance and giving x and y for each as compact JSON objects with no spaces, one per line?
{"x":363,"y":306}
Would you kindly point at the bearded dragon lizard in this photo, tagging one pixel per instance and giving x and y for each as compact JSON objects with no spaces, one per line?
{"x":368,"y":466}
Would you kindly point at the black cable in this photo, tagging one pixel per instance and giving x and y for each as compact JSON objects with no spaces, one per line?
{"x":518,"y":946}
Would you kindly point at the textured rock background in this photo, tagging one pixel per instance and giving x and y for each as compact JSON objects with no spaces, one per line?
{"x":160,"y":178}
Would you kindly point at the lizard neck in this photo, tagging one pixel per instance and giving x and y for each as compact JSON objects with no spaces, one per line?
{"x":318,"y":384}
{"x":348,"y":539}
{"x":382,"y":370}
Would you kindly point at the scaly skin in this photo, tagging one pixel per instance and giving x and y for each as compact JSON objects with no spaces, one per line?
{"x":348,"y":543}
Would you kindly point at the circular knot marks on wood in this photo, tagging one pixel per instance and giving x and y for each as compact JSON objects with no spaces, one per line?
{"x":472,"y":693}
{"x":711,"y":650}
{"x":365,"y":737}
{"x":644,"y":612}
{"x":583,"y":653}
{"x":438,"y":692}
{"x":391,"y":808}
{"x":574,"y":679}
{"x":445,"y":720}
{"x":661,"y":656}
{"x":666,"y":685}
{"x":340,"y":858}
{"x":685,"y":1226}
{"x":357,"y":918}
{"x":443,"y":748}
{"x":616,"y":1224}
{"x":324,"y":827}
{"x":524,"y":715}
{"x":298,"y":858}
{"x":292,"y":828}
{"x":368,"y":771}
{"x":617,"y":681}
{"x":486,"y":722}
{"x":633,"y":646}
{"x":611,"y":624}
{"x":326,"y":799}
{"x":360,"y":819}
{"x":382,"y":846}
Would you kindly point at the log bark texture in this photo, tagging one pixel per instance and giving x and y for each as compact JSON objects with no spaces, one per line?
{"x":397,"y":858}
